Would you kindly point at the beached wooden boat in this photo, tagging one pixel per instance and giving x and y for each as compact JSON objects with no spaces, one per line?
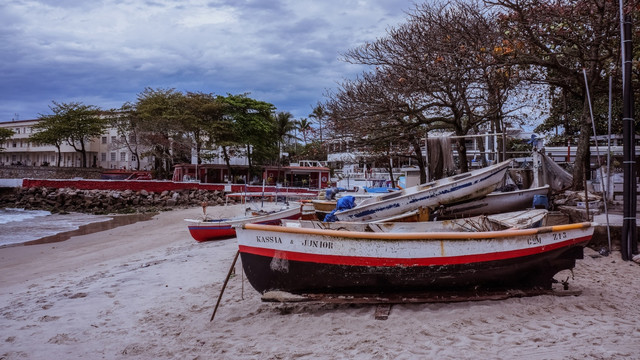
{"x":523,"y":219}
{"x":463,"y":187}
{"x":494,"y":203}
{"x":325,"y":206}
{"x":214,"y":229}
{"x":299,"y":260}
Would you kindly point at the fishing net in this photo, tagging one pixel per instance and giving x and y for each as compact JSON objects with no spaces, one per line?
{"x":440,"y":157}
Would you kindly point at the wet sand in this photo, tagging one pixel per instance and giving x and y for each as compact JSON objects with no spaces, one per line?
{"x":114,"y":222}
{"x":147,"y":290}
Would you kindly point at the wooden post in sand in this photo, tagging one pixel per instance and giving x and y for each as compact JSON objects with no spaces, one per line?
{"x":225,"y":285}
{"x":204,"y":209}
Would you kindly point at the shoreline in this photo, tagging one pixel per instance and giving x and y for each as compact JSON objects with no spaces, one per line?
{"x":147,"y":290}
{"x":90,"y":228}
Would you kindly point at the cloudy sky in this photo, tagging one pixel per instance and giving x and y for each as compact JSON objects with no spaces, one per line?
{"x":104,"y":53}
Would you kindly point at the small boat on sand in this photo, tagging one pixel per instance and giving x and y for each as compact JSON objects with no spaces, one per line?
{"x":215,"y":229}
{"x":494,"y":203}
{"x":463,"y":187}
{"x":309,"y":260}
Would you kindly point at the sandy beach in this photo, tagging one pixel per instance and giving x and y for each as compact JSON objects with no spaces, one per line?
{"x":147,"y":290}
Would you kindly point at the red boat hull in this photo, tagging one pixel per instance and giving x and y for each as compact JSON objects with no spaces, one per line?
{"x":221,"y":231}
{"x":209,"y":233}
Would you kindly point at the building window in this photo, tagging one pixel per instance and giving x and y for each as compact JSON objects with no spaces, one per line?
{"x":17,"y":130}
{"x":113,"y":139}
{"x":123,"y":156}
{"x":113,"y":156}
{"x":104,"y":139}
{"x":103,"y":156}
{"x":134,"y":158}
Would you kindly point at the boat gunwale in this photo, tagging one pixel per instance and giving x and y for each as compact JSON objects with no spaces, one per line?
{"x":422,"y":235}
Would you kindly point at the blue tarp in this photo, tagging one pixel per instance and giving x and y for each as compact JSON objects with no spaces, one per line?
{"x":344,"y":203}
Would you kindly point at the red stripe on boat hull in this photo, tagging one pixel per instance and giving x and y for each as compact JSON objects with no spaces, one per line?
{"x":369,"y":261}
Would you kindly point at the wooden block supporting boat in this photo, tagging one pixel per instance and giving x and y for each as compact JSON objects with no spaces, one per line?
{"x":413,"y":297}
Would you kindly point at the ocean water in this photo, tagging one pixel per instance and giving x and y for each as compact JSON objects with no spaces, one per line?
{"x":20,"y":225}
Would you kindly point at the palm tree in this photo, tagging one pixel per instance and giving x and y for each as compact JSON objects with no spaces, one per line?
{"x":284,"y":126}
{"x":304,"y":125}
{"x":319,"y":114}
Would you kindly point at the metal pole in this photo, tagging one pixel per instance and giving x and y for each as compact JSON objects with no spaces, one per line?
{"x":595,"y":136}
{"x":609,"y":187}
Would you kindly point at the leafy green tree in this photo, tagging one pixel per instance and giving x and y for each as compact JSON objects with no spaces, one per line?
{"x":5,"y":134}
{"x":161,"y":112}
{"x":201,"y":113}
{"x":49,"y":131}
{"x":78,"y":124}
{"x":252,"y":126}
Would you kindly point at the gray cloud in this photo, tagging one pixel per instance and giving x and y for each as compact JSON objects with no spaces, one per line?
{"x":283,"y":52}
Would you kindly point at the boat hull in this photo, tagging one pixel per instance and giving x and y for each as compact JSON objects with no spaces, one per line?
{"x":223,"y":229}
{"x":201,"y":233}
{"x":322,"y":261}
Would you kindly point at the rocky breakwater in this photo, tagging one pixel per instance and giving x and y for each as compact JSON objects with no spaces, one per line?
{"x":107,"y":201}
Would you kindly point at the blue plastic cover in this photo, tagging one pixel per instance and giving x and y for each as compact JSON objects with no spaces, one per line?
{"x":344,"y":203}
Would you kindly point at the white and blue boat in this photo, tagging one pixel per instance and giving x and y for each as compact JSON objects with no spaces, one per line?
{"x":471,"y":185}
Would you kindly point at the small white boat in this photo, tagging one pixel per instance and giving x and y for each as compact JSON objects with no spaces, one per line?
{"x":215,"y":229}
{"x":463,"y":187}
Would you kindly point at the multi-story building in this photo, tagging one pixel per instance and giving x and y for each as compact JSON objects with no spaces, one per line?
{"x":105,"y":151}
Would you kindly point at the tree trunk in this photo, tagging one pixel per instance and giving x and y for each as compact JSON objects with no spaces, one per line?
{"x":421,"y":161}
{"x":59,"y":155}
{"x":227,"y":161}
{"x":462,"y":155}
{"x":83,"y":151}
{"x":583,"y":153}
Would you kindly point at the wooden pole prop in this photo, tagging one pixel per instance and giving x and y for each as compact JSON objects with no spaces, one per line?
{"x":225,"y":285}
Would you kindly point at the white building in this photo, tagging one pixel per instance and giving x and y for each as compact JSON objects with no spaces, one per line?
{"x":103,"y":152}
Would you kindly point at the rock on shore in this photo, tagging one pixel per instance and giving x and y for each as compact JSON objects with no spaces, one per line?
{"x":107,"y":201}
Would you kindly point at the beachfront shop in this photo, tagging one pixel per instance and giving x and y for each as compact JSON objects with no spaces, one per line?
{"x":313,"y":177}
